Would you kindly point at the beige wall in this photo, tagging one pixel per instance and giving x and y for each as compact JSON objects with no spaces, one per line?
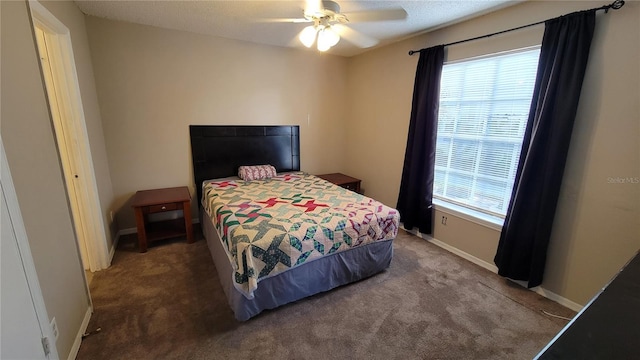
{"x":31,"y":151}
{"x":69,"y":14}
{"x":597,"y":225}
{"x":153,"y":83}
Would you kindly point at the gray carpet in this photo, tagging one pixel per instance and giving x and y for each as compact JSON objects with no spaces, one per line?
{"x":168,"y":304}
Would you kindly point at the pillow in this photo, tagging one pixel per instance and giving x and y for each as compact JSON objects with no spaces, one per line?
{"x":256,"y":172}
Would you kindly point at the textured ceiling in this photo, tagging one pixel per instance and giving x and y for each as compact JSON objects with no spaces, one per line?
{"x":247,"y":20}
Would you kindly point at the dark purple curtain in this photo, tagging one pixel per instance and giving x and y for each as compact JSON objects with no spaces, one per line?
{"x":522,"y":250}
{"x":416,"y":187}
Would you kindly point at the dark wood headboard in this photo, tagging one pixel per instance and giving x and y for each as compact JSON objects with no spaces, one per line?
{"x":218,"y":151}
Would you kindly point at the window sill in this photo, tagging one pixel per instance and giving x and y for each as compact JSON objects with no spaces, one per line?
{"x":477,"y":217}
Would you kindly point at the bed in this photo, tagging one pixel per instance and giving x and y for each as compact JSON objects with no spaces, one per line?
{"x":285,"y":237}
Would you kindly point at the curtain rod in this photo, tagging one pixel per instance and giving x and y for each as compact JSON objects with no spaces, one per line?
{"x":617,"y":4}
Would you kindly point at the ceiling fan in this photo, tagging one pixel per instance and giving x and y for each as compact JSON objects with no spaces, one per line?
{"x":329,"y":24}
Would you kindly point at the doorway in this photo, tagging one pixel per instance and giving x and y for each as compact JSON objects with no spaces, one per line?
{"x":63,"y":94}
{"x":65,"y":142}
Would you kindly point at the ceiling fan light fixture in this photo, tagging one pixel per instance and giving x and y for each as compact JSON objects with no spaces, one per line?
{"x":323,"y":46}
{"x":327,"y":38}
{"x":308,"y":36}
{"x":331,"y":35}
{"x":330,"y":25}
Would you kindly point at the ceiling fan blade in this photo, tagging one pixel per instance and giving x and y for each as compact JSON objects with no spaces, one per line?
{"x":377,"y":15}
{"x":284,"y":20}
{"x":357,"y":38}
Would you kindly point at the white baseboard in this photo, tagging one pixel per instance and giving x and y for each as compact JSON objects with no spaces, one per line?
{"x":114,"y":246}
{"x":557,"y":298}
{"x":464,"y":255}
{"x":83,"y":328}
{"x":455,"y":251}
{"x":494,"y":269}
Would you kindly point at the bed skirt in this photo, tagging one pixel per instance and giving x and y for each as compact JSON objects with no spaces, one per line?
{"x":302,"y":281}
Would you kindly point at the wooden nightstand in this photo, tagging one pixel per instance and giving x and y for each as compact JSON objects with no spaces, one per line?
{"x":343,"y":180}
{"x":147,"y":202}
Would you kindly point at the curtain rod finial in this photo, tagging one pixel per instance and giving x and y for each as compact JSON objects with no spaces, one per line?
{"x":617,"y":4}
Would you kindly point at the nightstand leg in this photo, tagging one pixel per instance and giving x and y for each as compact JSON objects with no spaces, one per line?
{"x":186,"y":208}
{"x":142,"y":234}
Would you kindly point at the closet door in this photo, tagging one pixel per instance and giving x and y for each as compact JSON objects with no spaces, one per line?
{"x":21,"y":336}
{"x":24,"y":323}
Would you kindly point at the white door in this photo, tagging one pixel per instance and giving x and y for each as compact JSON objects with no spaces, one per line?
{"x":24,"y":323}
{"x":67,"y":146}
{"x":63,"y":90}
{"x":20,"y":332}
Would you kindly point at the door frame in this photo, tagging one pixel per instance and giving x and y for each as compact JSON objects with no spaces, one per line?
{"x":28,"y":265}
{"x":83,"y":197}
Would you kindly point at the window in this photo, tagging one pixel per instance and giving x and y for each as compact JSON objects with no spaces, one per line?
{"x":484,"y":106}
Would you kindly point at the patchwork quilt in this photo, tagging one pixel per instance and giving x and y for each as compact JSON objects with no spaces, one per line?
{"x":273,"y":225}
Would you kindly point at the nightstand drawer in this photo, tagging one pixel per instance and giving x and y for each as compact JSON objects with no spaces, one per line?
{"x":163,"y":207}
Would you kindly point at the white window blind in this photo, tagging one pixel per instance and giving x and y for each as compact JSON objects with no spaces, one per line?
{"x":484,"y":106}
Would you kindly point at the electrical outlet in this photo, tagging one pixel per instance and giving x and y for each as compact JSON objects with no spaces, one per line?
{"x":444,"y":220}
{"x":54,"y":328}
